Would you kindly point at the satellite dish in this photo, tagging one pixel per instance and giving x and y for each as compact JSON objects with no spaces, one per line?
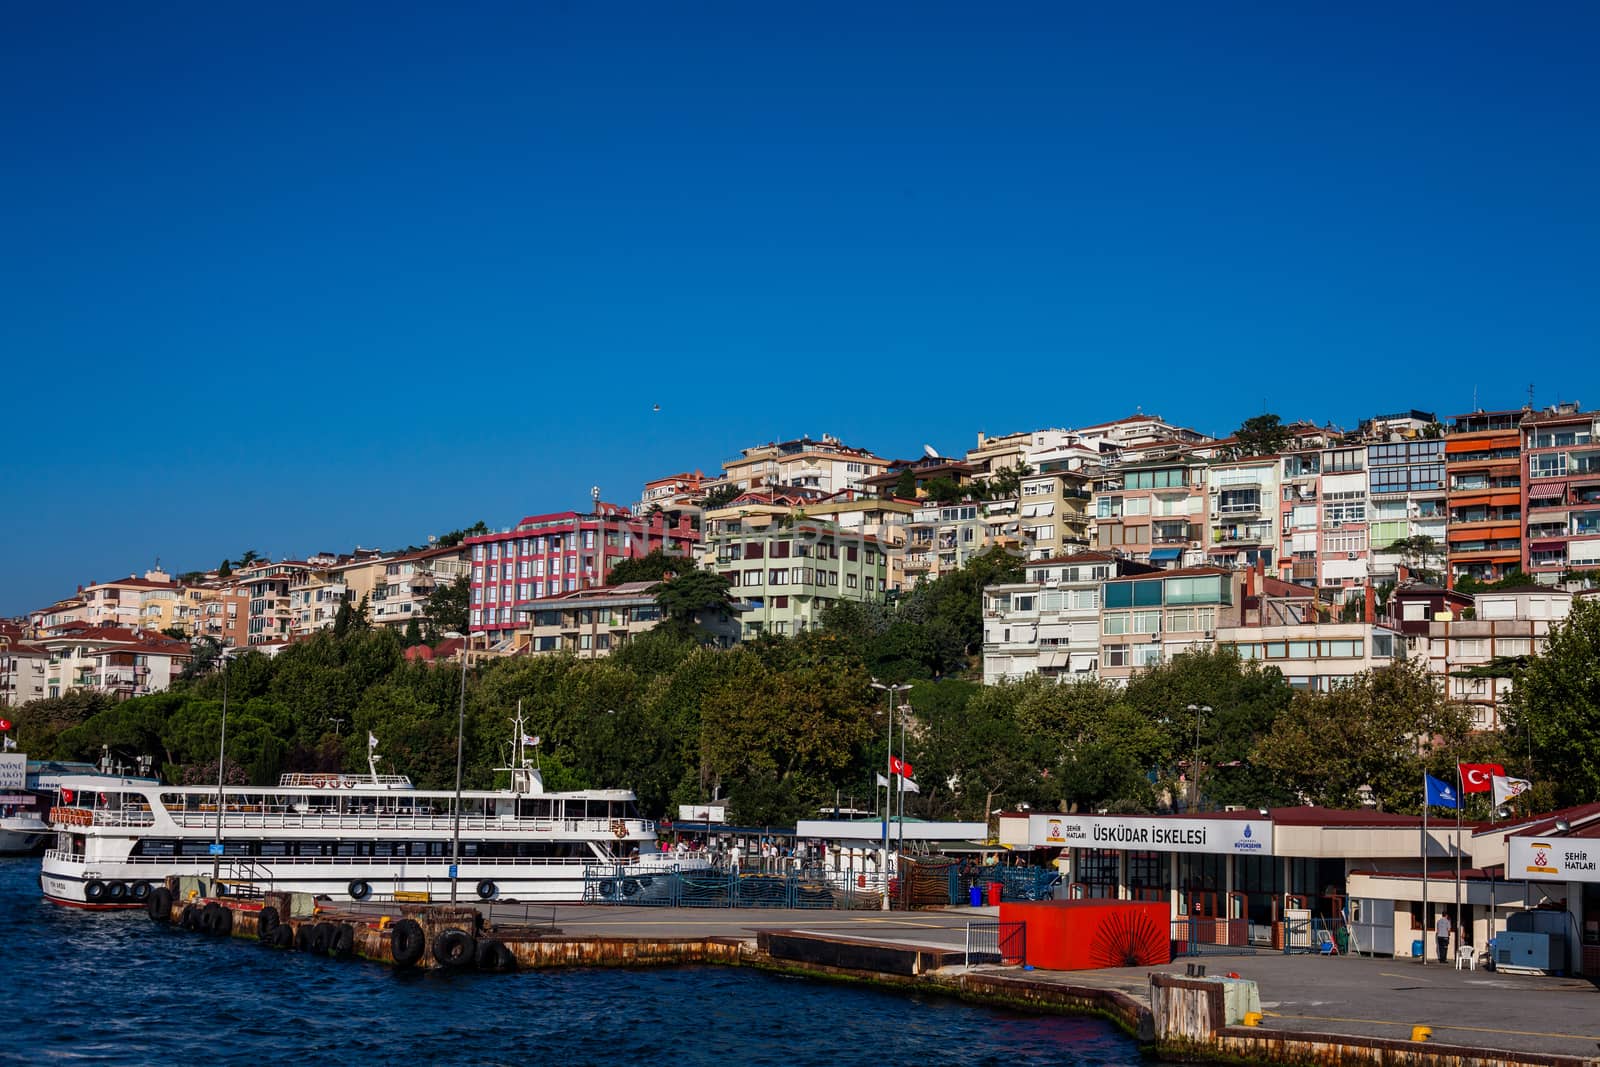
{"x":930,"y":452}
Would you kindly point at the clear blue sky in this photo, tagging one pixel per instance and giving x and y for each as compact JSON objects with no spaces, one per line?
{"x":296,"y":277}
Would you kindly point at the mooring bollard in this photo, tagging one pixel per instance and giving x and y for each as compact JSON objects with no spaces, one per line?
{"x":1421,"y":1033}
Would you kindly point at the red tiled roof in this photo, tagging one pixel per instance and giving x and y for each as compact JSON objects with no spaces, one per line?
{"x":1080,"y":557}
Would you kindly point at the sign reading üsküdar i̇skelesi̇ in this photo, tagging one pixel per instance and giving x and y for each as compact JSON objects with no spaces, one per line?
{"x":1135,"y":833}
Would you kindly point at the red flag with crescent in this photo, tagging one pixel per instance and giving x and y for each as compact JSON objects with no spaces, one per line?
{"x":1475,"y":776}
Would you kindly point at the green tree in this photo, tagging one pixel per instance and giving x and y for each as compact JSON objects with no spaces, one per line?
{"x":413,"y":633}
{"x":1553,"y":711}
{"x":944,"y":490}
{"x":1260,"y":435}
{"x":692,"y":599}
{"x":905,"y":486}
{"x":1367,"y":740}
{"x":720,"y":496}
{"x":657,"y":566}
{"x":455,"y":537}
{"x":447,"y":608}
{"x":225,"y":569}
{"x":1007,"y":482}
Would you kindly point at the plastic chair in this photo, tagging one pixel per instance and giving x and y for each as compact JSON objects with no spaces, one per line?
{"x":1466,"y":954}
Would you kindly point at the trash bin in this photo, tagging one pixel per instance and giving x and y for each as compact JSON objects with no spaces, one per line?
{"x":994,"y":893}
{"x":976,"y":895}
{"x":1416,"y":949}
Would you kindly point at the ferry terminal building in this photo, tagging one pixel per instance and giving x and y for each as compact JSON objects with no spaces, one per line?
{"x":1240,"y":874}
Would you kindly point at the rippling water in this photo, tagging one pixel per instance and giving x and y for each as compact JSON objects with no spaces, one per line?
{"x":112,"y":987}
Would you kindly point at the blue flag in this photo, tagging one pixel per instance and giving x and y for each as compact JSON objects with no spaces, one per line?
{"x":1440,"y":794}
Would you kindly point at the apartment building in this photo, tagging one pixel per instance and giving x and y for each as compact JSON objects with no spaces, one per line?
{"x":24,"y":671}
{"x":1049,"y":624}
{"x":405,"y":582}
{"x":827,"y":465}
{"x":941,"y":538}
{"x":1407,"y":490}
{"x":1560,"y":492}
{"x":785,"y":574}
{"x":315,"y":596}
{"x":1053,"y":512}
{"x":1483,"y":466}
{"x":1285,"y":626}
{"x":57,"y":616}
{"x":1473,"y":656}
{"x":1153,"y":509}
{"x":1243,"y":499}
{"x":673,"y":492}
{"x":118,"y":660}
{"x":1137,"y":431}
{"x":271,"y":619}
{"x":1147,"y":619}
{"x":121,"y":602}
{"x":220,"y":610}
{"x":588,"y":623}
{"x":559,"y":552}
{"x":1343,"y":564}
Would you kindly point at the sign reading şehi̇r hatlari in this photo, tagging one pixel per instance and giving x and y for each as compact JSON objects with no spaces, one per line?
{"x":1561,"y":858}
{"x":1144,"y":834}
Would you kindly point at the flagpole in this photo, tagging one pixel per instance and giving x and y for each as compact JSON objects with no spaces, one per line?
{"x":1461,"y":802}
{"x":1424,"y":868}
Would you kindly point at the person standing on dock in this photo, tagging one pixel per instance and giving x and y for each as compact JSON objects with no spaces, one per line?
{"x":1441,"y":934}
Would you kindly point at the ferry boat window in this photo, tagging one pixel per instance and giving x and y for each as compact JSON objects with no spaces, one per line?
{"x":598,"y":809}
{"x":155,"y":846}
{"x":274,"y":848}
{"x":534,"y":809}
{"x":347,"y":848}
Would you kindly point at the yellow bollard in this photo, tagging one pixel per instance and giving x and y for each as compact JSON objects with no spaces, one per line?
{"x":383,"y":922}
{"x":1421,"y":1033}
{"x":1252,"y":1018}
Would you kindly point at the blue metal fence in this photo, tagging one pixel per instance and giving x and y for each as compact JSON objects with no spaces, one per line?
{"x":727,"y":889}
{"x":1016,"y":883}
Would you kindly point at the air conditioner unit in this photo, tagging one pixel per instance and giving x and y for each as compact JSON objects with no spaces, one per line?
{"x":1211,"y":635}
{"x":1349,"y":555}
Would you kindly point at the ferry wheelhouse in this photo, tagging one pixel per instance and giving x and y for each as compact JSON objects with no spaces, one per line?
{"x":351,"y":837}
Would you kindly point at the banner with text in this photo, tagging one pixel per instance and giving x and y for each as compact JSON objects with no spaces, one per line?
{"x":1560,"y":858}
{"x":703,"y":812}
{"x":1141,"y":833}
{"x":13,"y":771}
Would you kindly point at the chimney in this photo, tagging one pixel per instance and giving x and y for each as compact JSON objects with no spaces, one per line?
{"x":1370,"y":603}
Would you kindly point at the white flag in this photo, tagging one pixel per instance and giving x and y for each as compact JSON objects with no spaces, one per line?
{"x":906,"y":784}
{"x":883,"y":783}
{"x":534,"y":741}
{"x":1506,"y":788}
{"x":372,"y":740}
{"x":11,"y":746}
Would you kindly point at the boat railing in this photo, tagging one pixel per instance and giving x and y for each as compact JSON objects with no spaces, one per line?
{"x":409,"y":821}
{"x":102,"y":817}
{"x":303,"y":780}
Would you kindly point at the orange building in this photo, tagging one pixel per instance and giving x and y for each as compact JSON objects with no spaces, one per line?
{"x":1483,"y":468}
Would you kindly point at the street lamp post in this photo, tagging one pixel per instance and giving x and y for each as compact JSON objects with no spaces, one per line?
{"x":888,"y":796}
{"x":461,"y":727}
{"x":1194,"y":785}
{"x":222,"y":752}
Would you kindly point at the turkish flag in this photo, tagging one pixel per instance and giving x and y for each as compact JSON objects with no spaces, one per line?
{"x":5,"y":724}
{"x":900,"y":767}
{"x":1475,"y":776}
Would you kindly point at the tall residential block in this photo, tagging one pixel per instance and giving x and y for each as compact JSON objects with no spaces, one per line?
{"x":1482,"y":452}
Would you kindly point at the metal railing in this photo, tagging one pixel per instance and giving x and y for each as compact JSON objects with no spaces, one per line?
{"x":1196,"y":935}
{"x":1000,"y":943}
{"x":726,"y":888}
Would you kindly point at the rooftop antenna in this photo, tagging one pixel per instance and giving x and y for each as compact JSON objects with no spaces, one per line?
{"x":1530,"y":396}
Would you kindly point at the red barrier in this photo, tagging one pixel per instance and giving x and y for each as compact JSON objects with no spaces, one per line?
{"x":1081,"y":935}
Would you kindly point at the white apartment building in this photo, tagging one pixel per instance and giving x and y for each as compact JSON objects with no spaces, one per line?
{"x":1506,"y":623}
{"x":827,"y":465}
{"x":24,"y":671}
{"x":1315,"y":655}
{"x":1243,"y":502}
{"x":1049,"y":624}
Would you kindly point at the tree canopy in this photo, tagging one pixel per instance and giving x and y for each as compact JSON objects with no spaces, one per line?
{"x":1260,"y":435}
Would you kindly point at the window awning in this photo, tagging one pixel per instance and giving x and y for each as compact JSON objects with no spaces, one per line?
{"x":1163,"y":555}
{"x":1546,"y":488}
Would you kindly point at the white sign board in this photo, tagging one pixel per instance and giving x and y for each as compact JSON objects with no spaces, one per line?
{"x":1564,"y":859}
{"x":1143,"y":833}
{"x":872,"y":830}
{"x":13,"y":771}
{"x":703,"y":812}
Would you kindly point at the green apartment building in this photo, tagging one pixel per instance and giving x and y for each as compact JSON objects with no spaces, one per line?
{"x":784,"y":574}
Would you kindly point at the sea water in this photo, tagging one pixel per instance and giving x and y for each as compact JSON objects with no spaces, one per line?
{"x":113,"y":987}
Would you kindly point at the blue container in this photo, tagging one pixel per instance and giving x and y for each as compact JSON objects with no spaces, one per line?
{"x":976,"y":896}
{"x":1416,"y":949}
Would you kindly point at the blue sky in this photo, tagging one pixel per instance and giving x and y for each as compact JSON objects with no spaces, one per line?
{"x":297,"y":277}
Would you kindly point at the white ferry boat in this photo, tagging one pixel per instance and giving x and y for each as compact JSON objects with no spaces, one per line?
{"x":353,"y":837}
{"x":23,"y":828}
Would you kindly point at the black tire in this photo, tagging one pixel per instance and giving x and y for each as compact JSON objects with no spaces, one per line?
{"x":282,"y":937}
{"x":205,"y":916}
{"x":216,"y":920}
{"x":321,"y":939}
{"x":159,"y":905}
{"x":139,"y":891}
{"x":302,"y":937}
{"x":344,"y":941}
{"x":116,"y":892}
{"x":359,"y":890}
{"x":608,"y":888}
{"x":189,"y":917}
{"x":630,"y":887}
{"x":495,"y":956}
{"x":454,"y":949}
{"x":94,"y":891}
{"x":487,"y":890}
{"x":407,"y":942}
{"x":267,"y":921}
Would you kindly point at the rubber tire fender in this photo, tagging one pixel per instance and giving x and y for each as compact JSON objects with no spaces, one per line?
{"x":94,"y":891}
{"x":117,"y":891}
{"x":487,"y":890}
{"x":630,"y":887}
{"x":321,"y":939}
{"x":159,"y":905}
{"x":139,"y":891}
{"x":267,"y":921}
{"x":454,"y":949}
{"x":344,"y":941}
{"x":302,"y":937}
{"x":222,"y":922}
{"x":407,"y":942}
{"x":282,"y":937}
{"x":189,"y":917}
{"x":495,"y":956}
{"x":359,"y":890}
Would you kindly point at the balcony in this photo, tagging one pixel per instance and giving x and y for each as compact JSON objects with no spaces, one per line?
{"x":1246,"y":534}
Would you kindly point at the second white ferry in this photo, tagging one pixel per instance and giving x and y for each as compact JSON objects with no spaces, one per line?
{"x":353,"y":837}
